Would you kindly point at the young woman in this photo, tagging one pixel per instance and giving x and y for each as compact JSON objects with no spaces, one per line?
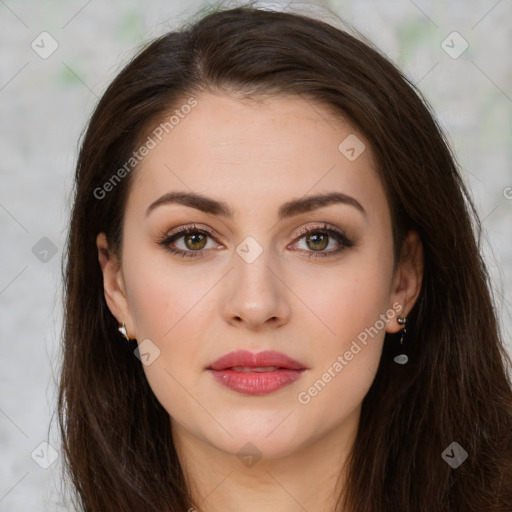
{"x":274,"y":294}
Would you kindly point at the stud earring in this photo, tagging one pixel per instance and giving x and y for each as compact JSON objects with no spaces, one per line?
{"x":402,"y":358}
{"x":122,"y":330}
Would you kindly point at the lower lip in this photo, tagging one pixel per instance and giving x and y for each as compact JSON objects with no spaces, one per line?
{"x":256,"y":383}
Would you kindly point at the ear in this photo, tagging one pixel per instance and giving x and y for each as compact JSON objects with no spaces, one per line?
{"x":406,"y":285}
{"x":113,"y":285}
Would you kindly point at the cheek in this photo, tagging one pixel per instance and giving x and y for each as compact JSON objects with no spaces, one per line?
{"x":173,"y":315}
{"x":172,"y":308}
{"x":346,"y":300}
{"x":164,"y":297}
{"x":346,"y":334}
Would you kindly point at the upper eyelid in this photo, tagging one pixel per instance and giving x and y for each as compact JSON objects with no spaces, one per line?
{"x":181,"y":230}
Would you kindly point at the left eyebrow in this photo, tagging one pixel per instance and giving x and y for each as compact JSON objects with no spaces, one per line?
{"x":289,"y":209}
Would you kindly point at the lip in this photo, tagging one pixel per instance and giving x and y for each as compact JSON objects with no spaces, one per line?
{"x":255,"y":360}
{"x":256,"y":382}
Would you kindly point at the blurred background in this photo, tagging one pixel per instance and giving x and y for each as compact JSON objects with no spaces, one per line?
{"x":57,"y":59}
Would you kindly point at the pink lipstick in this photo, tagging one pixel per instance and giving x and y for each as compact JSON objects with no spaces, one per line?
{"x":256,"y":373}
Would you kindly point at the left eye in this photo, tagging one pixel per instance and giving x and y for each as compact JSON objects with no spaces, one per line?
{"x":197,"y":240}
{"x":317,"y":240}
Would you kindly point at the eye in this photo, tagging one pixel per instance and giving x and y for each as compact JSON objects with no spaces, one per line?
{"x":317,"y":239}
{"x":194,"y":241}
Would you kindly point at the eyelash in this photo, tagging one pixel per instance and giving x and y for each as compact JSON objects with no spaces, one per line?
{"x":339,"y":236}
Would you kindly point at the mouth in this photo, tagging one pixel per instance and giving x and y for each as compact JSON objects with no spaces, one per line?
{"x":256,"y":373}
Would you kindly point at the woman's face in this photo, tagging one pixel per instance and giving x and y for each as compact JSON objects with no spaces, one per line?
{"x":246,"y":276}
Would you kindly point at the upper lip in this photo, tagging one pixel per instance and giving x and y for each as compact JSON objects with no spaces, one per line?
{"x":255,"y":360}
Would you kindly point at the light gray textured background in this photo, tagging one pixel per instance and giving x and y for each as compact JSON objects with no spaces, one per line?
{"x":46,"y":102}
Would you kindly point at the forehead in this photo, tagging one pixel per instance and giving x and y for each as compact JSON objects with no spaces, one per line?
{"x":248,"y":152}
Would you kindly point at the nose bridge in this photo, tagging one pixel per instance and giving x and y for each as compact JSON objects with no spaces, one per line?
{"x":257,"y":293}
{"x":253,"y":261}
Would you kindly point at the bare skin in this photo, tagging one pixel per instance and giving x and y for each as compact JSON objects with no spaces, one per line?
{"x":256,"y":156}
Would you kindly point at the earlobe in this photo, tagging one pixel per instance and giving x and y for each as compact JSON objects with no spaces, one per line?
{"x":408,"y":278}
{"x":113,"y":282}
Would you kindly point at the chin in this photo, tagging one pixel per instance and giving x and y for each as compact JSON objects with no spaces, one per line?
{"x":272,"y":438}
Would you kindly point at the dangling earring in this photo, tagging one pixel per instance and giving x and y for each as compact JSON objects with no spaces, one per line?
{"x":122,"y":330}
{"x":401,"y":358}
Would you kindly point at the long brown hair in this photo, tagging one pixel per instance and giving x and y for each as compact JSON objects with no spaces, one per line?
{"x":117,"y":443}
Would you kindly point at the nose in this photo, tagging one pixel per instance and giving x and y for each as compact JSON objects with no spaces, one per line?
{"x":256,"y":294}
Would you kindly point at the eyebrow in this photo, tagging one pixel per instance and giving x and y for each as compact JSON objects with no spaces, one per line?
{"x":289,"y":209}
